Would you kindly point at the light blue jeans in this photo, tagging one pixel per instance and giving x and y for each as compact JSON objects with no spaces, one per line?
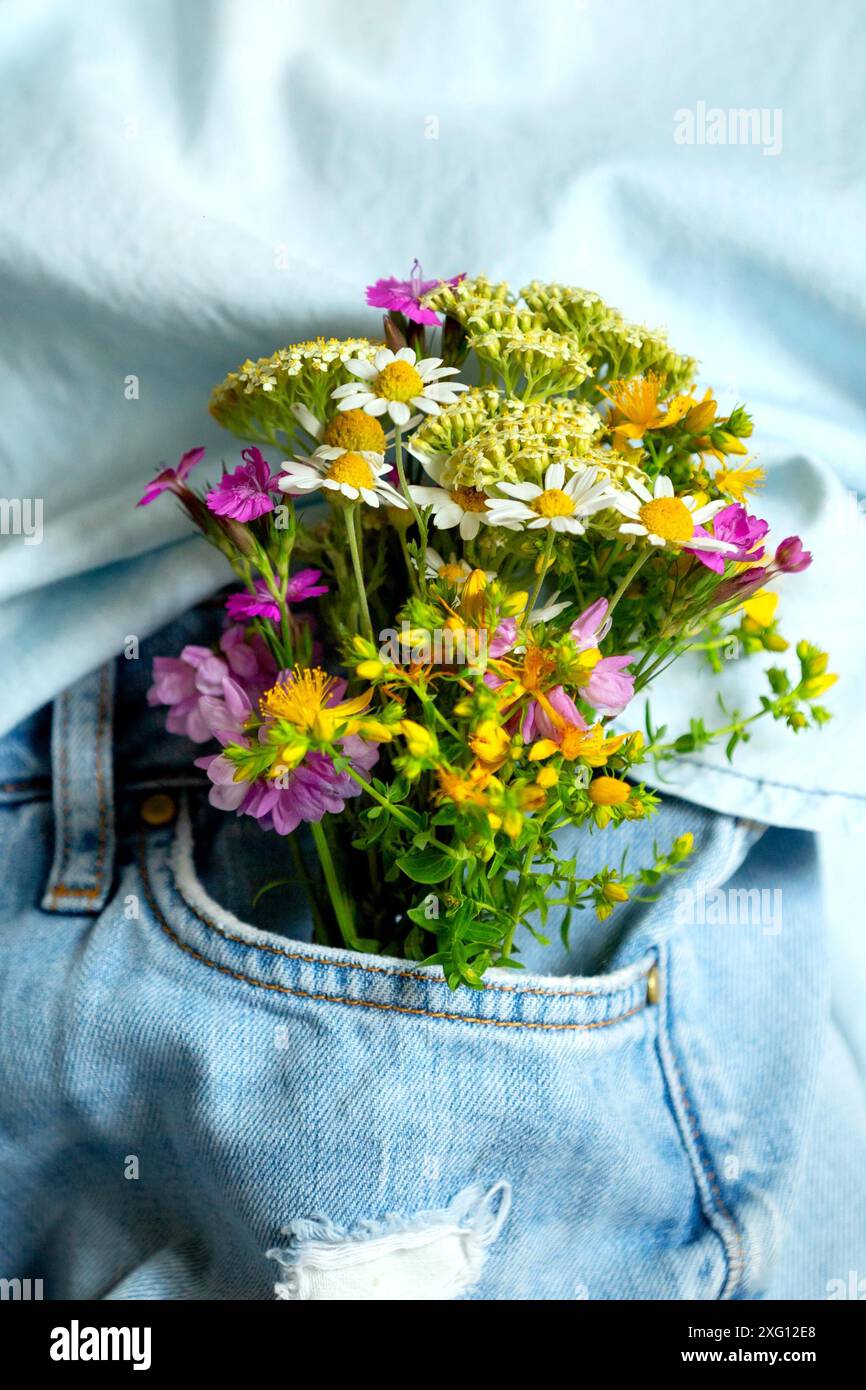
{"x":197,"y":1102}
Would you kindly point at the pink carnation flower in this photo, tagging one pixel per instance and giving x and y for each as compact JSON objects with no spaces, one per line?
{"x":592,"y":626}
{"x":262,"y":604}
{"x":610,"y":687}
{"x":244,"y":494}
{"x":404,"y":296}
{"x":743,"y":532}
{"x":171,"y":479}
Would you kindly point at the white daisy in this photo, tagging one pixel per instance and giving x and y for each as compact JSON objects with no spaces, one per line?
{"x":451,"y":571}
{"x":454,"y":572}
{"x":560,"y":505}
{"x":395,"y":380}
{"x":665,"y":519}
{"x":465,"y":507}
{"x":354,"y":474}
{"x":549,"y":610}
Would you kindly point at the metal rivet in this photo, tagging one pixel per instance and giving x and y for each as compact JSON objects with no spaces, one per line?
{"x":158,"y":809}
{"x":652,"y":985}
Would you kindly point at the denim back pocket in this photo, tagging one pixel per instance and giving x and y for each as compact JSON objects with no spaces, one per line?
{"x":362,"y":1095}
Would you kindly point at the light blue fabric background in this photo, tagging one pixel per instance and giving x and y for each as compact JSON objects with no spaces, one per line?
{"x":189,"y":184}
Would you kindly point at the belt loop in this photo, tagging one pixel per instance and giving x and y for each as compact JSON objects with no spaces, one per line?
{"x":83,"y":792}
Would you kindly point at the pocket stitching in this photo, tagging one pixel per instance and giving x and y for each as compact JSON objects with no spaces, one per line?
{"x":361,"y":1003}
{"x":685,"y":1117}
{"x":379,"y":969}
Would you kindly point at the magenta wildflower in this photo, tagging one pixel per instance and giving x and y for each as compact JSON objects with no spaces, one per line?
{"x":744,"y":532}
{"x":305,"y":584}
{"x":404,"y":296}
{"x":610,"y":687}
{"x":592,"y":626}
{"x":790,"y":557}
{"x":243,"y":605}
{"x":244,"y":494}
{"x":171,"y":479}
{"x":199,"y":674}
{"x":262,"y":604}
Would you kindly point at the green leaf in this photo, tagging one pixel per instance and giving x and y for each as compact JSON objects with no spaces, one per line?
{"x":428,"y":865}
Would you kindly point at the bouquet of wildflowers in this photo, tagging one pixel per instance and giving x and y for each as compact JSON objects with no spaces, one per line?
{"x":478,"y":542}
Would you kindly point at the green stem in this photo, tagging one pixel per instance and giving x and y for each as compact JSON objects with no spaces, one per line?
{"x":543,"y":567}
{"x":419,"y":522}
{"x":627,"y":579}
{"x":342,"y":911}
{"x":354,"y":550}
{"x":382,"y":800}
{"x":410,"y":568}
{"x":320,"y":933}
{"x":519,"y":894}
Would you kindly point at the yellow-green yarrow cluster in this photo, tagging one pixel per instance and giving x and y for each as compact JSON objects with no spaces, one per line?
{"x":546,"y":362}
{"x":505,"y":440}
{"x":609,"y":341}
{"x":256,"y":400}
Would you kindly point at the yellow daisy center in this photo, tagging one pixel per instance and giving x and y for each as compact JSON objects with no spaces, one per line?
{"x":553,"y":502}
{"x":669,"y":518}
{"x":608,"y":791}
{"x":355,"y":429}
{"x":399,"y":381}
{"x":471,"y":499}
{"x":451,"y":573}
{"x":351,"y":468}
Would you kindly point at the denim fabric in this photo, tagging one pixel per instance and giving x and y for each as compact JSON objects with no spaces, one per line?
{"x":667,"y":1103}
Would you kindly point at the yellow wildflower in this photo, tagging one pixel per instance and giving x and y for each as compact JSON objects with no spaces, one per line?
{"x":419,"y":741}
{"x":306,"y":701}
{"x":637,"y":408}
{"x":760,"y":609}
{"x":490,"y":743}
{"x":736,"y":482}
{"x":608,"y":791}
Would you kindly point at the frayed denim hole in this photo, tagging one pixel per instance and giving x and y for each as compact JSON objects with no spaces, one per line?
{"x":434,"y":1254}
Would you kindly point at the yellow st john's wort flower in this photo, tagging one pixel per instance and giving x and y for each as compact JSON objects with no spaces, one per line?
{"x":815,"y":686}
{"x":465,"y":787}
{"x":590,"y":745}
{"x":760,"y":609}
{"x":637,"y":407}
{"x":419,"y":741}
{"x":614,"y":892}
{"x":527,"y":673}
{"x":307,"y":701}
{"x":490,"y":743}
{"x":737,"y":482}
{"x":608,"y":791}
{"x":473,"y":600}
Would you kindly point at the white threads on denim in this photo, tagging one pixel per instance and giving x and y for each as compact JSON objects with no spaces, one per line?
{"x":434,"y":1255}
